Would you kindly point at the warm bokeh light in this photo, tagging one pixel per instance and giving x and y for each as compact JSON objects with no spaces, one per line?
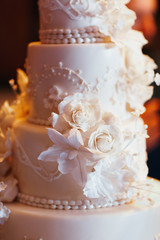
{"x":146,"y":11}
{"x":152,"y":119}
{"x":145,"y":22}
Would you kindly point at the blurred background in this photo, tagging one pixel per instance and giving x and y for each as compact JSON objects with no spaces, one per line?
{"x":19,"y":24}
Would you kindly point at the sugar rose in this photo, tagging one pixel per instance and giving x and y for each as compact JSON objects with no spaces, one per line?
{"x":80,"y":112}
{"x":105,"y":139}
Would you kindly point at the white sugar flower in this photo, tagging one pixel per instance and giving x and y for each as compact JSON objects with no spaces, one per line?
{"x":79,"y":111}
{"x":4,"y":212}
{"x":22,"y":80}
{"x":115,"y":20}
{"x":137,"y":95}
{"x":2,"y":186}
{"x":54,"y":96}
{"x":106,"y":139}
{"x":5,"y":145}
{"x":138,"y":167}
{"x":157,"y":79}
{"x":139,"y":64}
{"x":109,"y":179}
{"x":140,"y":72}
{"x":7,"y":117}
{"x":11,"y":190}
{"x":70,"y":154}
{"x":21,"y":105}
{"x":59,"y":123}
{"x":8,"y":113}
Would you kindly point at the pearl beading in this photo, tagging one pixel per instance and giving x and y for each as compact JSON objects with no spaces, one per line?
{"x":70,"y":205}
{"x":72,"y":36}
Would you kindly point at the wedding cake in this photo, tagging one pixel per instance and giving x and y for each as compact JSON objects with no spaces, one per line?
{"x":74,"y":136}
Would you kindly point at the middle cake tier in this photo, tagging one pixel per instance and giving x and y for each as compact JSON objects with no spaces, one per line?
{"x":57,"y":71}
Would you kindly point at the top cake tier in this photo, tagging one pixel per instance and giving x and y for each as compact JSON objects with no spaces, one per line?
{"x":83,"y":21}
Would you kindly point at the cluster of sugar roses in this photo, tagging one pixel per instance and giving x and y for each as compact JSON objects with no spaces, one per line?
{"x":92,"y":146}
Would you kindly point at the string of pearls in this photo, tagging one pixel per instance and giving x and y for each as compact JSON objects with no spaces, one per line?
{"x":72,"y":36}
{"x":69,"y":205}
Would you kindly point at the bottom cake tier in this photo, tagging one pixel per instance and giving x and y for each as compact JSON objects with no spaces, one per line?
{"x":137,"y":221}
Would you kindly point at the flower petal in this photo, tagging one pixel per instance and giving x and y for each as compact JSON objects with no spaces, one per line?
{"x":59,"y":123}
{"x":4,"y":213}
{"x":51,"y":154}
{"x":56,"y":137}
{"x":75,"y":138}
{"x":80,"y":173}
{"x":65,"y":166}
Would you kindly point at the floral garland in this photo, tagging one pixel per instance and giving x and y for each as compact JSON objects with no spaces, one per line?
{"x":85,"y":138}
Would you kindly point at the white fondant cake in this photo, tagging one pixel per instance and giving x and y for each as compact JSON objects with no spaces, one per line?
{"x":74,"y":136}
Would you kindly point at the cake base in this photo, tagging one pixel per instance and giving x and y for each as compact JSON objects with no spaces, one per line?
{"x":136,"y":221}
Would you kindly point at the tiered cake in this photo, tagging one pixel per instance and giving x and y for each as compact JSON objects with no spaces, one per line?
{"x":75,"y":133}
